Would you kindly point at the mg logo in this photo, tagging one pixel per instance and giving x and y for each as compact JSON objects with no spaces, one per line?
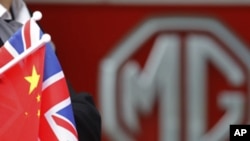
{"x":193,"y":70}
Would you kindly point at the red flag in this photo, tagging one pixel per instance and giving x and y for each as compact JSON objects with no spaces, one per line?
{"x":20,"y":92}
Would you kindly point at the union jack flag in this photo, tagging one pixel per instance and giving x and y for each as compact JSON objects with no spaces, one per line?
{"x":36,"y":101}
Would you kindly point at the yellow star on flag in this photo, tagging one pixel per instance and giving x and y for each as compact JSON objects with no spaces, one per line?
{"x":33,"y":79}
{"x":38,"y":98}
{"x":38,"y":113}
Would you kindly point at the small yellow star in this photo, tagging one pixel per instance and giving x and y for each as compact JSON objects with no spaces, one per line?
{"x":33,"y":79}
{"x":38,"y":112}
{"x":26,"y":113}
{"x":38,"y":98}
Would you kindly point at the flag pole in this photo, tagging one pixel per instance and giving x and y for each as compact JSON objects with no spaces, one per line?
{"x":37,"y":15}
{"x":45,"y":39}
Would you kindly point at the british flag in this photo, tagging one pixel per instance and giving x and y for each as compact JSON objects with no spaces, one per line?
{"x":56,"y":120}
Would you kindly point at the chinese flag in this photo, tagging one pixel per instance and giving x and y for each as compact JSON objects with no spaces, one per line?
{"x":20,"y":91}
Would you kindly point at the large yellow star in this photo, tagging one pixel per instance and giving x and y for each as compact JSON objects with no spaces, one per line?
{"x":33,"y":79}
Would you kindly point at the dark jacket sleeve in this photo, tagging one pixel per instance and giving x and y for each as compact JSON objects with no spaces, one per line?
{"x":87,"y":117}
